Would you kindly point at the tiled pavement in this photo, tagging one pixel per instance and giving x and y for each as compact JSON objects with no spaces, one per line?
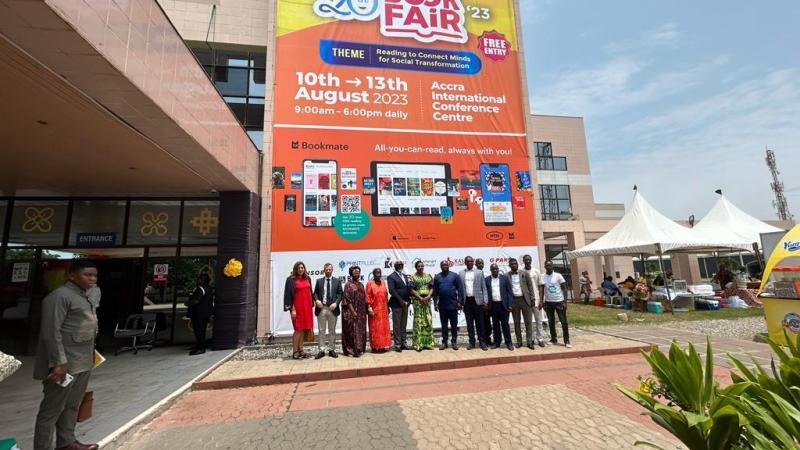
{"x":272,"y":371}
{"x":745,"y":351}
{"x":557,"y":404}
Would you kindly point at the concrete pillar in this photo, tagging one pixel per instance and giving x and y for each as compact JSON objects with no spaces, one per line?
{"x":236,"y":297}
{"x":686,"y":267}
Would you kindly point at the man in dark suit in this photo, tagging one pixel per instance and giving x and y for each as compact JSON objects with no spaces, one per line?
{"x":327,"y":296}
{"x":399,"y":293}
{"x":448,"y":299}
{"x":501,"y":297}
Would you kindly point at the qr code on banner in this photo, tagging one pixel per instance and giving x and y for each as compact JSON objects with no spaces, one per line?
{"x":351,"y":203}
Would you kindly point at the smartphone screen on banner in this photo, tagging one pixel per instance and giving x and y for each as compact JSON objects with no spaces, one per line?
{"x":496,"y":194}
{"x":319,"y":192}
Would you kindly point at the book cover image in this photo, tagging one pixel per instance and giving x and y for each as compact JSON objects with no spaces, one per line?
{"x":413,"y":187}
{"x":462,"y":203}
{"x":290,"y":203}
{"x":385,"y":185}
{"x":452,"y":187}
{"x":523,"y":180}
{"x":470,"y":179}
{"x":368,"y":186}
{"x":297,"y":180}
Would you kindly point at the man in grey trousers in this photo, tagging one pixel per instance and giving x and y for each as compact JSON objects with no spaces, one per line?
{"x":399,"y":299}
{"x":524,"y":290}
{"x":533,"y":272}
{"x":66,"y":347}
{"x":327,"y":296}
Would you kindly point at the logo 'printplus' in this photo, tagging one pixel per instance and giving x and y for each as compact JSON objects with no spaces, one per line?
{"x":423,"y":20}
{"x":494,"y":45}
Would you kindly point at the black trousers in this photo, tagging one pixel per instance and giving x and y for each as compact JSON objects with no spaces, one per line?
{"x":474,"y":315}
{"x":199,"y":324}
{"x":500,"y":322}
{"x":560,"y":308}
{"x":399,"y":323}
{"x":487,"y":324}
{"x":449,"y":316}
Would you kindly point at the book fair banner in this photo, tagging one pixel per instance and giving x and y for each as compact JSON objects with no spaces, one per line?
{"x":401,"y":127}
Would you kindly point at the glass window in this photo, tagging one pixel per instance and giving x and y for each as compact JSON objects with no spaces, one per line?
{"x":232,"y":58}
{"x":154,"y":223}
{"x":200,"y":222}
{"x":256,"y":83}
{"x":155,"y":252}
{"x":556,"y":202}
{"x":204,"y":55}
{"x":559,"y":163}
{"x":258,"y":59}
{"x":38,"y":222}
{"x":257,"y":136}
{"x":544,"y":149}
{"x":199,"y":251}
{"x":239,"y":107}
{"x":231,"y":81}
{"x":255,"y":114}
{"x":97,"y":223}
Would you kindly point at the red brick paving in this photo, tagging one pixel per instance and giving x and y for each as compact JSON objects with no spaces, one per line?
{"x":591,"y":377}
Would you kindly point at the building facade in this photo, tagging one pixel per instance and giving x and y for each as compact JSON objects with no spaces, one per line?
{"x":138,"y":133}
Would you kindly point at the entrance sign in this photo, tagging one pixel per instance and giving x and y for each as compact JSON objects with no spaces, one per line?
{"x":424,"y":98}
{"x":96,"y":239}
{"x":160,"y":272}
{"x":20,"y":272}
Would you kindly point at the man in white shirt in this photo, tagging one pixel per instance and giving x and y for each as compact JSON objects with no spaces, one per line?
{"x":552,"y":288}
{"x":487,"y":313}
{"x":527,"y":264}
{"x":475,"y":302}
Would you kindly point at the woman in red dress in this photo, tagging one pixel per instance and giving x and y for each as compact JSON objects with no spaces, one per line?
{"x":297,"y":299}
{"x":378,"y":310}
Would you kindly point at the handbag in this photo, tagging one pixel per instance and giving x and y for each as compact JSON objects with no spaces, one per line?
{"x":308,"y":335}
{"x":85,"y":410}
{"x":8,"y":365}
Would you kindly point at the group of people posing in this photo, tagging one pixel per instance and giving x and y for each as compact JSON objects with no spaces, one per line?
{"x":485,"y":300}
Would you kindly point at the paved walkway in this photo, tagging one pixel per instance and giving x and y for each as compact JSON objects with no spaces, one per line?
{"x":745,"y":351}
{"x":124,"y":387}
{"x":237,"y":373}
{"x":557,"y":404}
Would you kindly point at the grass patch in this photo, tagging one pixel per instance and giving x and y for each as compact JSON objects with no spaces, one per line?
{"x":588,"y":315}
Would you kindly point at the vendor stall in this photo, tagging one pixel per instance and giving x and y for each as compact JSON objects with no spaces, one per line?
{"x":780,"y":288}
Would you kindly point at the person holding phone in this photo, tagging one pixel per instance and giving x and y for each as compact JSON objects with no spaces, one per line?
{"x":65,"y":351}
{"x":354,"y":317}
{"x":421,"y":293}
{"x":298,"y":300}
{"x":378,"y":311}
{"x":552,"y":288}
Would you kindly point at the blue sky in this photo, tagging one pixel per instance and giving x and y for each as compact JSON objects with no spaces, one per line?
{"x":679,"y":97}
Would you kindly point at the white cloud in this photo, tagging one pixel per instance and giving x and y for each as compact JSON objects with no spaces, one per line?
{"x":685,"y":154}
{"x":665,"y":36}
{"x":616,"y":85}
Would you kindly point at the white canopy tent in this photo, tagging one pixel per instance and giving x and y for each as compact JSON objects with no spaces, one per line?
{"x":641,"y":231}
{"x":727,"y":225}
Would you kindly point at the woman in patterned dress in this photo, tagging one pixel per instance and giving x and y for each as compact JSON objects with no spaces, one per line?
{"x":354,"y":315}
{"x":378,"y":310}
{"x":297,"y":299}
{"x":421,"y":292}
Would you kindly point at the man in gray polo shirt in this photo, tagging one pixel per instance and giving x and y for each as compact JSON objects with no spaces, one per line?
{"x":66,"y":347}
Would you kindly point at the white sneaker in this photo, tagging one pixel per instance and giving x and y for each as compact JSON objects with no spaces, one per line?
{"x":568,"y":345}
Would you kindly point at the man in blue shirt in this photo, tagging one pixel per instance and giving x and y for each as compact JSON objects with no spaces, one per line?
{"x":610,"y":287}
{"x":448,"y":298}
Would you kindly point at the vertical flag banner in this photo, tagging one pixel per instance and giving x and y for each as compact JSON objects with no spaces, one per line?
{"x":423,"y":98}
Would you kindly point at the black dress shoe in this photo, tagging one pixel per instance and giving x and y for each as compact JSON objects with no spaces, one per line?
{"x":455,"y":346}
{"x":470,"y":346}
{"x":405,"y":347}
{"x":531,"y":346}
{"x":541,"y":343}
{"x":484,"y":347}
{"x":554,"y":341}
{"x":496,"y":346}
{"x":443,"y":346}
{"x":398,"y":349}
{"x":333,"y":354}
{"x":321,"y":354}
{"x":510,"y":347}
{"x":519,"y":344}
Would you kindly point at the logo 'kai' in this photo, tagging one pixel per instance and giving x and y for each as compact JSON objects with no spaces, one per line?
{"x":423,"y":20}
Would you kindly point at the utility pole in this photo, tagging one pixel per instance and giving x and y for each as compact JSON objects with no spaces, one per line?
{"x":779,"y":203}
